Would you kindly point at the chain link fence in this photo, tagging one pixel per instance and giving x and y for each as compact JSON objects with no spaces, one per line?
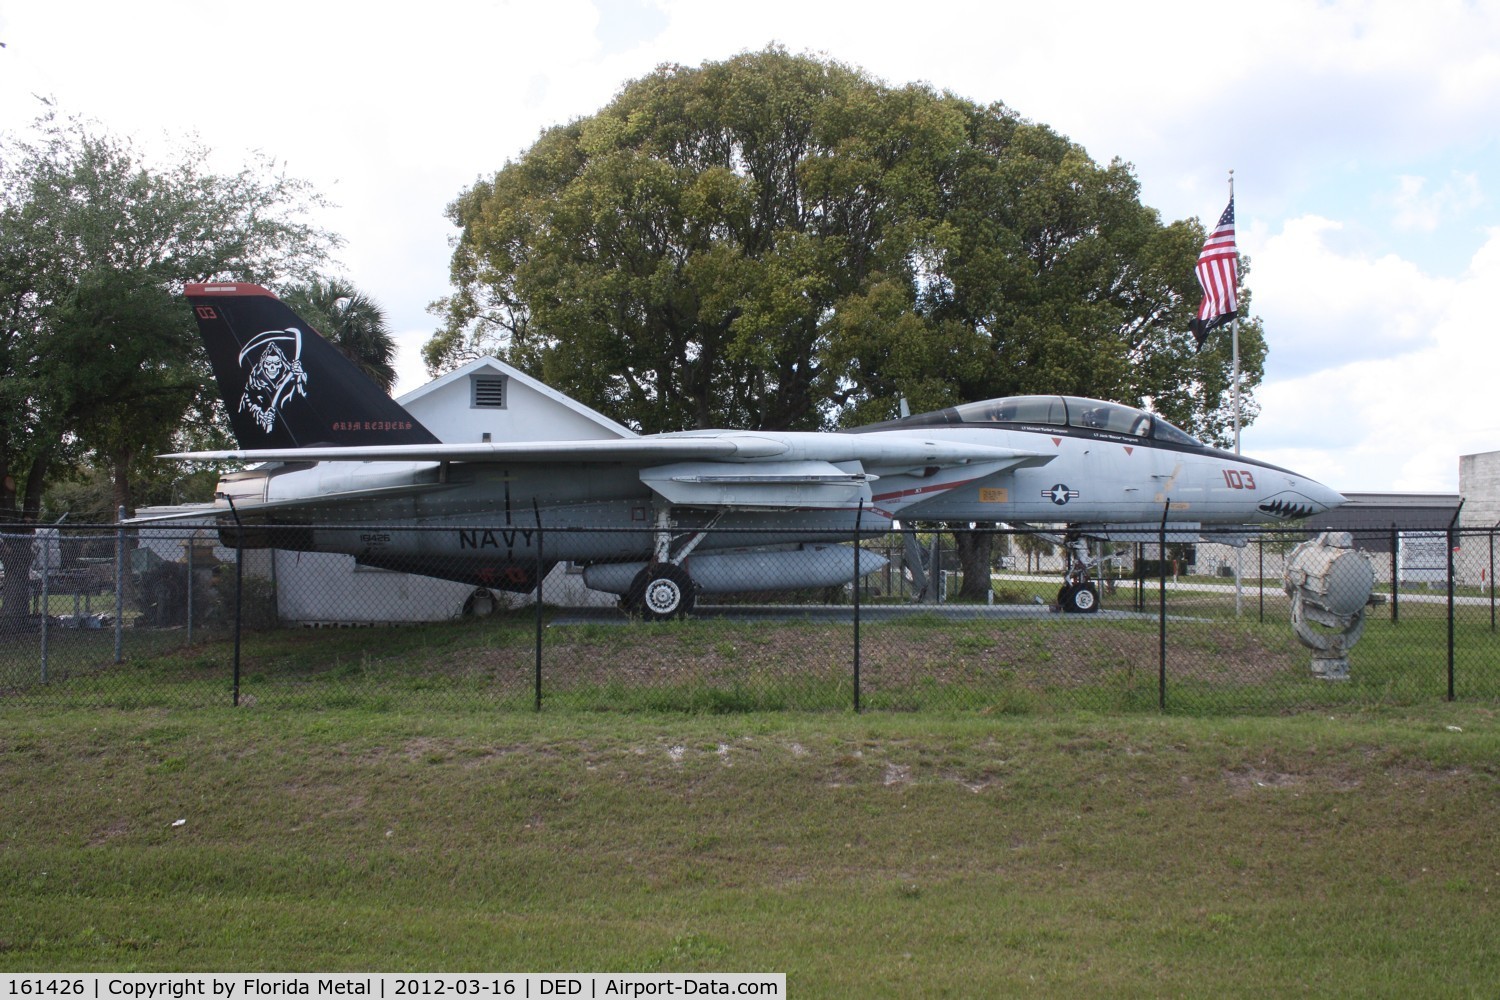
{"x":174,"y":616}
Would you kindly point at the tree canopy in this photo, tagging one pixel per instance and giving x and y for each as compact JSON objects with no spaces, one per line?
{"x":778,"y":241}
{"x":99,"y":356}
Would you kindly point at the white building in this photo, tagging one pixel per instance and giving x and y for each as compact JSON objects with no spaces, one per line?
{"x":488,"y":400}
{"x":1479,"y":484}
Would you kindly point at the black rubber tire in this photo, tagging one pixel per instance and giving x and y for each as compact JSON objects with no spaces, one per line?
{"x":1079,"y":598}
{"x":662,"y":592}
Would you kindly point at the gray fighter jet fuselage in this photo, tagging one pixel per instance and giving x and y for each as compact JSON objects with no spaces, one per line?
{"x":657,"y":518}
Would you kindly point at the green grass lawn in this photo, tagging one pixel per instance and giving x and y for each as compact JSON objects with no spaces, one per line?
{"x":1034,"y":664}
{"x":882,"y":855}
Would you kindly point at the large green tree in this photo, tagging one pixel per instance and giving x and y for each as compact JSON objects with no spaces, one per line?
{"x":777,"y":241}
{"x":98,"y":352}
{"x":679,"y":258}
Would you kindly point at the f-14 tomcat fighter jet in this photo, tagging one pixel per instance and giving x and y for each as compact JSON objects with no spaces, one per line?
{"x":724,"y":510}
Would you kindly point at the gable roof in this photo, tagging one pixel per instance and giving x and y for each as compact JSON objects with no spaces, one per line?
{"x":610,"y":427}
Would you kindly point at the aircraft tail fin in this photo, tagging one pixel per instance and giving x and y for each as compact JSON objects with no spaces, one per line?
{"x":284,"y":385}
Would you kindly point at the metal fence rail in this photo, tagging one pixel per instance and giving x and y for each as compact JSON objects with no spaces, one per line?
{"x":173,"y":616}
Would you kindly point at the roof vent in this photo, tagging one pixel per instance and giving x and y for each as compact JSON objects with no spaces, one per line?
{"x":488,"y":392}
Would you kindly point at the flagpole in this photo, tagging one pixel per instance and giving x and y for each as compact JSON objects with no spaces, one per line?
{"x":1234,"y":338}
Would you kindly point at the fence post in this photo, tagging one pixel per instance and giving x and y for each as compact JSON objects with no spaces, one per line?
{"x":1161,"y":617}
{"x":858,"y":517}
{"x":1395,"y":574}
{"x":239,"y":592}
{"x":1140,"y":578}
{"x":540,"y":569}
{"x":1239,"y":586}
{"x":1492,"y":576}
{"x":1260,"y":572}
{"x":190,"y":590}
{"x":1452,"y":537}
{"x":120,"y":586}
{"x":46,"y":597}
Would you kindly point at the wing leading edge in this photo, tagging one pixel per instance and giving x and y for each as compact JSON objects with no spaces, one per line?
{"x":878,"y":453}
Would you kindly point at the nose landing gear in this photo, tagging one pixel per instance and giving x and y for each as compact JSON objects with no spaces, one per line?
{"x":1079,"y":595}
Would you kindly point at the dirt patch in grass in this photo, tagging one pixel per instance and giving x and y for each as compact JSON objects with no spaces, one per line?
{"x":1226,"y":656}
{"x":654,"y":655}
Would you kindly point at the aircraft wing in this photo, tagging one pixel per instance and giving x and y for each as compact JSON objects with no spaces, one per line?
{"x":877,"y":452}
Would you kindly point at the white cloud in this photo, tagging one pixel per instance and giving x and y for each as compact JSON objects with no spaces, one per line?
{"x":1395,"y":418}
{"x":1419,"y":208}
{"x":1326,"y":302}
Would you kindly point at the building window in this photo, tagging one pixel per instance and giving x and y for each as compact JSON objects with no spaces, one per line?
{"x":487,"y":392}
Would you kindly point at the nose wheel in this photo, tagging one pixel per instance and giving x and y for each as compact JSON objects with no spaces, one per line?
{"x":1079,"y":594}
{"x":1079,"y":598}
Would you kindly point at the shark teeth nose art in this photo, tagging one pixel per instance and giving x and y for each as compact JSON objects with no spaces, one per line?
{"x":1287,"y":509}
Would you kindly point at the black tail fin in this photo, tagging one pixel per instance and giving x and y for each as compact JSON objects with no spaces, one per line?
{"x":283,"y":384}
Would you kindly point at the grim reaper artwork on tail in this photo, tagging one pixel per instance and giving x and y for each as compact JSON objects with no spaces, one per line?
{"x":274,"y":377}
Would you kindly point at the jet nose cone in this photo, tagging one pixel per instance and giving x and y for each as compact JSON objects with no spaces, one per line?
{"x":1306,"y":498}
{"x":1329,"y":498}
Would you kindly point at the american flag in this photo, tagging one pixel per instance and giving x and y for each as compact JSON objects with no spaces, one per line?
{"x":1218,"y":271}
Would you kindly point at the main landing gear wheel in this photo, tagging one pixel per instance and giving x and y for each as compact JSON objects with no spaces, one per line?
{"x":661,"y":592}
{"x":1079,"y":598}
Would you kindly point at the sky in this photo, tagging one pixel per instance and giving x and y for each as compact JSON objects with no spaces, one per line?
{"x":1364,"y":137}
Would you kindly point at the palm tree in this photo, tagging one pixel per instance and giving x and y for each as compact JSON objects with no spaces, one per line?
{"x":351,"y":321}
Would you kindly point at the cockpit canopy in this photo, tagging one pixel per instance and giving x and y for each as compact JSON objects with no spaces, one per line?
{"x":1062,"y":411}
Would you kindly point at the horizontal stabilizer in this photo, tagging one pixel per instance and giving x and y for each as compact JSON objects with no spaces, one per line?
{"x":300,"y":508}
